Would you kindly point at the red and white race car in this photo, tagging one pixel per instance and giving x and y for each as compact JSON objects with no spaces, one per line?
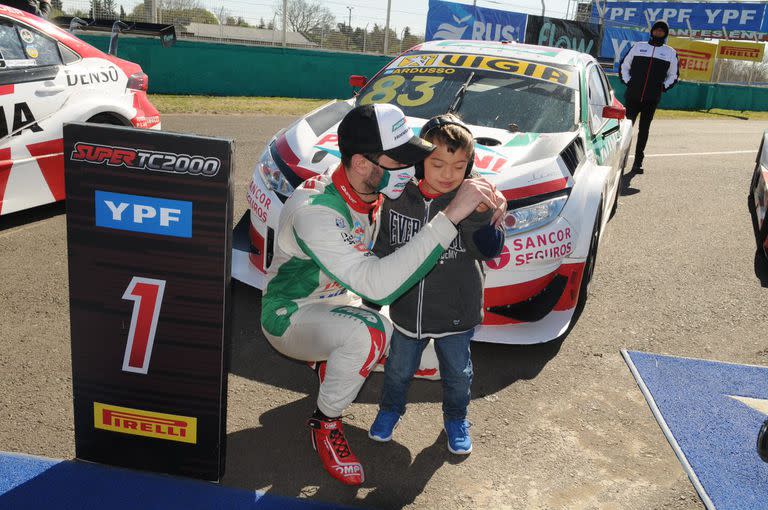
{"x":758,"y":199}
{"x":49,"y":77}
{"x":549,"y":133}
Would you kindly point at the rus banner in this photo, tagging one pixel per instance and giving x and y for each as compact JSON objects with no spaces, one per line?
{"x":697,"y":58}
{"x":449,"y":20}
{"x":741,"y":50}
{"x":560,"y":33}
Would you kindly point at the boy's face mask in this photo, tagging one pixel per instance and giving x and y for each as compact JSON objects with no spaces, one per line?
{"x":393,"y":182}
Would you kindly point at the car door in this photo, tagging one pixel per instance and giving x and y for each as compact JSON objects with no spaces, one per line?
{"x":33,"y":88}
{"x":605,"y":133}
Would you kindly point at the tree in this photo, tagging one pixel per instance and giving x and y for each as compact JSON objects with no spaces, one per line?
{"x":262,"y":24}
{"x":56,"y":5}
{"x":177,"y":12}
{"x":305,"y":16}
{"x":122,"y":12}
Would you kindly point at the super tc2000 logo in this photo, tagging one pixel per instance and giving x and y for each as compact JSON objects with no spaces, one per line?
{"x":141,"y":159}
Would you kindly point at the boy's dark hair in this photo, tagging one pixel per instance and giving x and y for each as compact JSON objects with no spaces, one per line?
{"x":448,"y":130}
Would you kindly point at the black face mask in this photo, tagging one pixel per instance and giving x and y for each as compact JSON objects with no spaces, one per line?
{"x":657,"y":41}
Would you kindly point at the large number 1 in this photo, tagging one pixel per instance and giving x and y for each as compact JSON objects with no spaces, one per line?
{"x":147,"y":296}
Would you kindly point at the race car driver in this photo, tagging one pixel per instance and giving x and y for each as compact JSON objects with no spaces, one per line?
{"x":322,"y":251}
{"x":648,"y":69}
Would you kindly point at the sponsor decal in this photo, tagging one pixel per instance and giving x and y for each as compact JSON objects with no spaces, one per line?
{"x":332,"y":289}
{"x":258,"y":201}
{"x":341,"y":223}
{"x":146,"y":122}
{"x":397,"y":125}
{"x":150,"y":215}
{"x":22,"y":120}
{"x":107,"y":75}
{"x":124,"y":420}
{"x":139,"y":159}
{"x":348,"y":469}
{"x":402,"y":228}
{"x":740,"y":50}
{"x":26,"y":36}
{"x":498,"y":64}
{"x":501,"y":261}
{"x":697,"y":59}
{"x":551,"y":245}
{"x":418,"y":61}
{"x":32,"y":52}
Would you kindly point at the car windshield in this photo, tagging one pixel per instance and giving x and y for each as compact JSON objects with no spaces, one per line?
{"x":485,"y":91}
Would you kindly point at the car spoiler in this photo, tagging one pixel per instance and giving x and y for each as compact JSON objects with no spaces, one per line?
{"x":166,"y":33}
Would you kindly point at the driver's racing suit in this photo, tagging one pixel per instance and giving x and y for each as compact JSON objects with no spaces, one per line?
{"x":322,"y":250}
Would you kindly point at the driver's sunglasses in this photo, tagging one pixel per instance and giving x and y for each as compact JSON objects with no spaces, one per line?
{"x":388,"y":169}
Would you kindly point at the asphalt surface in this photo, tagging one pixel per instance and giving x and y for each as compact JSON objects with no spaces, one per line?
{"x":560,"y":425}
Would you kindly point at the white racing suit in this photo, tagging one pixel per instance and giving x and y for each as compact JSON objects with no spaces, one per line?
{"x":322,"y":251}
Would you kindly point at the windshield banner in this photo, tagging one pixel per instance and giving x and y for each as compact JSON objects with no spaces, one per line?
{"x":449,"y":20}
{"x":441,"y":63}
{"x":560,"y":33}
{"x":707,"y":20}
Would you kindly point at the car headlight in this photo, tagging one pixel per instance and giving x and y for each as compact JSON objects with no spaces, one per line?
{"x":533,"y":216}
{"x":272,"y":176}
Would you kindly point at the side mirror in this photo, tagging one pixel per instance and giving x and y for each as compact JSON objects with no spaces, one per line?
{"x":614,"y":112}
{"x":358,"y":81}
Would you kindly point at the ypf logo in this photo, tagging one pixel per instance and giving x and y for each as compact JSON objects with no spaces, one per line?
{"x":137,"y":213}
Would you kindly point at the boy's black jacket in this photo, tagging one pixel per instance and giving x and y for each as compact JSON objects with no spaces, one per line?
{"x":450,"y":298}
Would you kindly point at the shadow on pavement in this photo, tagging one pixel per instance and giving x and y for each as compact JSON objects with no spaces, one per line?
{"x":496,"y":366}
{"x":625,"y":187}
{"x":22,"y":218}
{"x":266,"y":458}
{"x":761,"y":268}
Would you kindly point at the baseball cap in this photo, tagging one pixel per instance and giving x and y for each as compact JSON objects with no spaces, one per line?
{"x":381,"y":128}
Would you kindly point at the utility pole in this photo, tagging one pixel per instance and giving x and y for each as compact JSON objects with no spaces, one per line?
{"x":349,"y":26}
{"x":386,"y":28}
{"x":285,"y":22}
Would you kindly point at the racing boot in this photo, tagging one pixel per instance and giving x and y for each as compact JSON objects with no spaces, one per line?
{"x":331,"y":445}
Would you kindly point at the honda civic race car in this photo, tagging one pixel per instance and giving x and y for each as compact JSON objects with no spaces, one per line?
{"x":49,"y":77}
{"x":549,"y":133}
{"x":757,"y":200}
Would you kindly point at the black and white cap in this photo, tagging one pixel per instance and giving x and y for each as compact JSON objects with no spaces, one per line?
{"x":381,"y":128}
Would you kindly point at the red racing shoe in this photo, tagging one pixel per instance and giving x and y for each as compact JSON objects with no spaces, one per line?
{"x":332,"y":447}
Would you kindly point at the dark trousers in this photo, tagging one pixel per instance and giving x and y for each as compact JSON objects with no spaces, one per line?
{"x":645,"y":110}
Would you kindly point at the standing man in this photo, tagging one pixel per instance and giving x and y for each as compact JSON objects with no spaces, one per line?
{"x":648,"y":70}
{"x":322,"y":251}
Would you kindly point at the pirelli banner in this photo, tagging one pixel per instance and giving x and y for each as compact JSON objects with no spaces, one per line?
{"x":149,"y":230}
{"x":697,"y":58}
{"x":740,"y":50}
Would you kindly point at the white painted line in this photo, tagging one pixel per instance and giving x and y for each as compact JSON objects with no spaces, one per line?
{"x":699,"y":154}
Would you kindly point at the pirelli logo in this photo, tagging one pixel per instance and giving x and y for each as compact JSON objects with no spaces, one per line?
{"x":136,"y":422}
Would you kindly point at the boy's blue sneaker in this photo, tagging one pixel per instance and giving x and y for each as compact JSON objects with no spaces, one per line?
{"x":383,"y":426}
{"x":459,"y":441}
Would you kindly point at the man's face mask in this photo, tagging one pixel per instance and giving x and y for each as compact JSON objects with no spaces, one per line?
{"x":393,"y":180}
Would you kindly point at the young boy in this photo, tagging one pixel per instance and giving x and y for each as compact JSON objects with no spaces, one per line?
{"x":447,"y":304}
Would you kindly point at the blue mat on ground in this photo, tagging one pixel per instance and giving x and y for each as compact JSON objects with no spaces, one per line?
{"x":710,"y":413}
{"x":28,"y":482}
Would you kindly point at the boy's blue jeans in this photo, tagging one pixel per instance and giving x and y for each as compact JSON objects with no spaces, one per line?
{"x":456,"y":373}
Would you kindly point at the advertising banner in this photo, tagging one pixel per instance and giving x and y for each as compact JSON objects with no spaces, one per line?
{"x":741,"y":50}
{"x":706,"y":19}
{"x":149,"y":232}
{"x":617,"y":42}
{"x":449,"y":20}
{"x":697,"y":58}
{"x":560,"y":33}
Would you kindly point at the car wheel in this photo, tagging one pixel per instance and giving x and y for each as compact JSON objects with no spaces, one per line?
{"x":589,"y":265}
{"x":109,"y":119}
{"x":761,"y":234}
{"x":615,"y":205}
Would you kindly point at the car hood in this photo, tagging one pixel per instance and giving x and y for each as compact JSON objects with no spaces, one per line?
{"x":521,"y":164}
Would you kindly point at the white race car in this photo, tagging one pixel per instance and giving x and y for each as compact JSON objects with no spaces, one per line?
{"x":548,"y":131}
{"x":49,"y":77}
{"x":758,"y":199}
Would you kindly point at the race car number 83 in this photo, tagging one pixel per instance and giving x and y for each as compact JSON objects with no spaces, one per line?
{"x":386,"y":89}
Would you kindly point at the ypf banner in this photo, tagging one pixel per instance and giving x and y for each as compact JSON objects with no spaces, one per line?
{"x":617,"y":41}
{"x":449,"y":20}
{"x":706,"y":19}
{"x":560,"y":33}
{"x":741,"y":50}
{"x":149,"y":234}
{"x":697,"y":58}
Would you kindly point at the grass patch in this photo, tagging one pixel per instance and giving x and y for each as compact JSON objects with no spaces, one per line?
{"x":253,"y":105}
{"x":293,"y":106}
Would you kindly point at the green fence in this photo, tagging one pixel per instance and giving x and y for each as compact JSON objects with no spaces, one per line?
{"x":703,"y":96}
{"x":236,"y":70}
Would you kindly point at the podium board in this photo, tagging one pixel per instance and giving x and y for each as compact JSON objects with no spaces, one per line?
{"x":149,"y":233}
